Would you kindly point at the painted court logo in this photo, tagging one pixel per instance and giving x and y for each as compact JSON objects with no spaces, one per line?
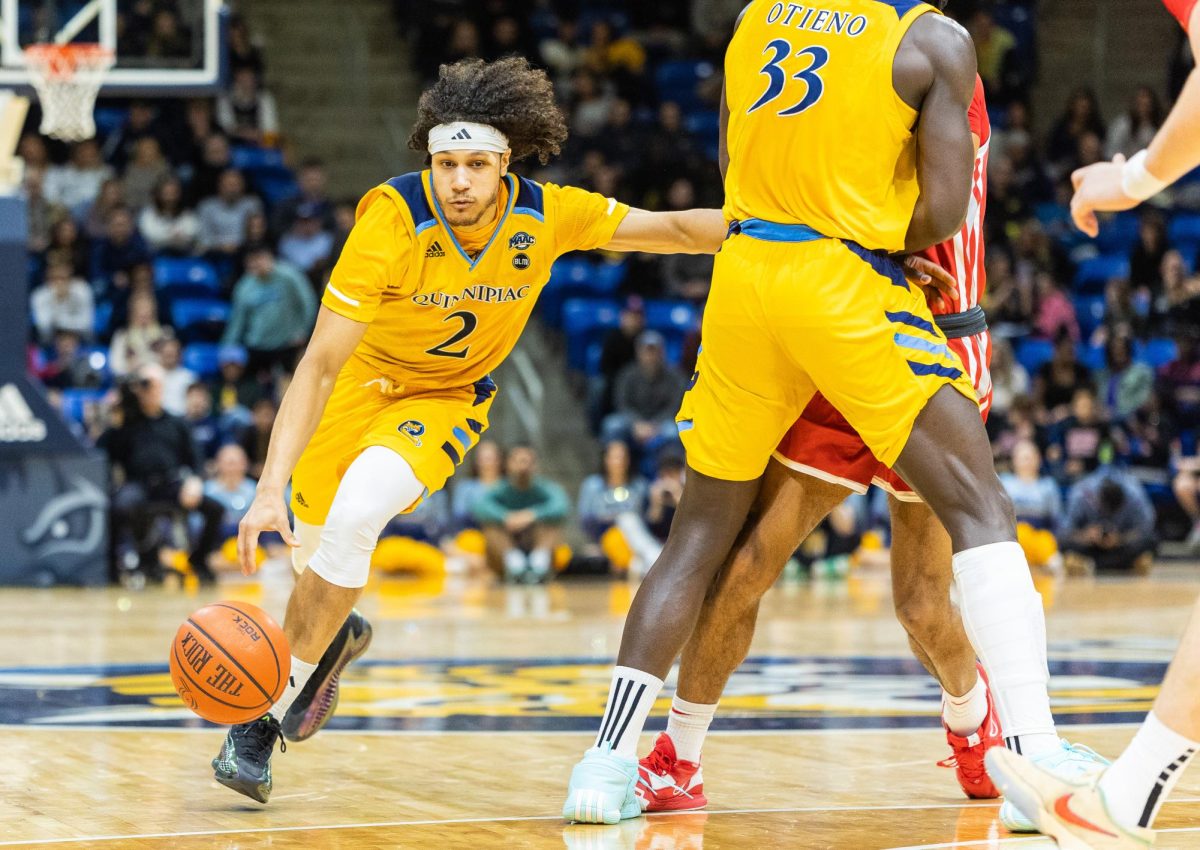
{"x":413,"y":430}
{"x":521,"y":241}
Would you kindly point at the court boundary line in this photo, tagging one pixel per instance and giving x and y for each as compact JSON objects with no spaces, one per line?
{"x":528,"y":818}
{"x":1017,"y":839}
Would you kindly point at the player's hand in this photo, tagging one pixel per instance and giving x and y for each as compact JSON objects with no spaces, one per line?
{"x":1098,"y":189}
{"x":941,"y":289}
{"x":267,"y":513}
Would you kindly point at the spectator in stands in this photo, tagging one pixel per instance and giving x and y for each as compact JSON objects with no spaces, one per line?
{"x":1126,"y":384}
{"x":94,"y":216}
{"x":487,"y":468}
{"x":244,"y":54}
{"x":1007,"y":205}
{"x":231,"y":487}
{"x":664,"y":494}
{"x":1058,"y":380}
{"x":274,"y":308}
{"x":68,"y":245}
{"x":619,"y":348}
{"x":1179,"y":380}
{"x":176,"y":377}
{"x":1124,"y":312}
{"x":307,"y":245}
{"x":1036,"y":498}
{"x":201,"y":126}
{"x":1186,"y":486}
{"x":1081,"y":116}
{"x":646,"y":398}
{"x":687,"y":276}
{"x":1147,"y":442}
{"x":159,"y":471}
{"x":247,"y":112}
{"x":1081,"y":441}
{"x":169,"y":38}
{"x":618,"y":58}
{"x":234,"y":393}
{"x":591,"y":103}
{"x":39,"y":212}
{"x":1055,"y":312}
{"x":63,"y":301}
{"x":1179,"y":305}
{"x":114,"y":257}
{"x":1135,"y":129}
{"x":215,"y":159}
{"x":223,"y":217}
{"x":522,"y":518}
{"x":143,"y":122}
{"x":257,"y":437}
{"x":343,"y":222}
{"x":1015,"y":129}
{"x":1034,"y":253}
{"x":145,"y":171}
{"x":166,"y":224}
{"x":615,"y":497}
{"x":72,"y":366}
{"x":205,"y":427}
{"x":1009,"y":303}
{"x":1009,"y":378}
{"x":1146,"y":259}
{"x":78,"y":182}
{"x":563,"y":53}
{"x":312,"y":180}
{"x":1109,"y":524}
{"x":993,"y":45}
{"x":134,"y":346}
{"x":33,"y":152}
{"x":505,"y":39}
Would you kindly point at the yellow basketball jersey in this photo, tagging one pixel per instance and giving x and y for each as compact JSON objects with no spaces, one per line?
{"x":817,"y":134}
{"x":438,"y":317}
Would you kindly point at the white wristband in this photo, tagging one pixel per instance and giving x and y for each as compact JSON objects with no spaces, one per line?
{"x":1137,"y":182}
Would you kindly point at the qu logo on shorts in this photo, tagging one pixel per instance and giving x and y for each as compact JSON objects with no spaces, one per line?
{"x":413,"y":430}
{"x":521,"y":241}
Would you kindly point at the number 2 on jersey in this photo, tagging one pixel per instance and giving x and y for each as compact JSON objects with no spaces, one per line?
{"x":777,"y":77}
{"x":469,"y":322}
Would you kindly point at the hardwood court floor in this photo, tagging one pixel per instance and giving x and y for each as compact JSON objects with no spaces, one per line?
{"x":474,"y":702}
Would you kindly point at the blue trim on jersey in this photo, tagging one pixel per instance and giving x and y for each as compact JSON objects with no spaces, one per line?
{"x":408,"y":187}
{"x":484,"y":388}
{"x":685,"y":425}
{"x":452,"y":453}
{"x":918,"y":344}
{"x":908,"y":318}
{"x":477,"y":427}
{"x":437,"y":206}
{"x":880,"y":262}
{"x":770,"y":231}
{"x":921,"y":369}
{"x":529,"y":211}
{"x":463,"y":439}
{"x":533,"y":199}
{"x":902,"y":7}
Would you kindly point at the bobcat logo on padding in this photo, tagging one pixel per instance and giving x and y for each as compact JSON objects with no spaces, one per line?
{"x":413,"y":430}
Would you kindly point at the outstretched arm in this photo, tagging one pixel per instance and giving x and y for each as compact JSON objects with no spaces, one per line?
{"x":685,"y":232}
{"x":935,"y":73}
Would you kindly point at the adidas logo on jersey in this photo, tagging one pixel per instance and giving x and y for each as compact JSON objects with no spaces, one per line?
{"x":461,"y":134}
{"x":435,"y":250}
{"x":17,"y":422}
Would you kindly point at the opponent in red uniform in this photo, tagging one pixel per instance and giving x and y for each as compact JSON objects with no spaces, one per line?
{"x":818,"y":463}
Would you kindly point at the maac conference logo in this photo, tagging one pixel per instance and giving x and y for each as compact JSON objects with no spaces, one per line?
{"x":414,"y":430}
{"x":521,"y":242}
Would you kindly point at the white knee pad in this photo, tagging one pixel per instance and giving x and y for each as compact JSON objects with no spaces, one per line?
{"x":309,"y":537}
{"x":378,"y":485}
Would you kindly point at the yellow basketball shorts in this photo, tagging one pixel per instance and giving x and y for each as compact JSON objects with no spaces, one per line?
{"x":431,"y":429}
{"x":786,"y":319}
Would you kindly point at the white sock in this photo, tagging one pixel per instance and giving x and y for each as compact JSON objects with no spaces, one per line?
{"x":1003,"y":618}
{"x":964,"y":715}
{"x":1139,"y":782}
{"x":630,"y":698}
{"x":687,"y":724}
{"x":301,"y":671}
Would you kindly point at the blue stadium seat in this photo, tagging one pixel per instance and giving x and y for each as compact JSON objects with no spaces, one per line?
{"x":197,"y":275}
{"x":1092,"y":356}
{"x":199,"y":319}
{"x":671,"y":317}
{"x":677,"y":81}
{"x":201,"y":358}
{"x":1033,"y":353}
{"x":1092,"y":275}
{"x":1089,"y":310}
{"x":705,"y":124}
{"x":275,"y":186}
{"x":102,"y":323}
{"x":1119,"y":233}
{"x":1156,"y":352}
{"x":249,"y":158}
{"x":75,"y":401}
{"x":109,"y":120}
{"x":585,"y":322}
{"x":1184,"y":228}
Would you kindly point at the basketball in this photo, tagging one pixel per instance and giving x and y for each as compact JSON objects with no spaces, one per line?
{"x":229,"y":662}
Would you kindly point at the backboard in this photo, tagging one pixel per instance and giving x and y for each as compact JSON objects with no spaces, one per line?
{"x":174,"y":48}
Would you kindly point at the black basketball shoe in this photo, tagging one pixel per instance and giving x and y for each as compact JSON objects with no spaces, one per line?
{"x":244,"y":763}
{"x":319,"y":698}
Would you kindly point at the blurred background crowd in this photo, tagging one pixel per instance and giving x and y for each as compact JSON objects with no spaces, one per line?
{"x":177,"y":260}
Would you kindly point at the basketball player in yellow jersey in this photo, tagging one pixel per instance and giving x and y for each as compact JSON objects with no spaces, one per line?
{"x":431,"y":292}
{"x":846,"y":140}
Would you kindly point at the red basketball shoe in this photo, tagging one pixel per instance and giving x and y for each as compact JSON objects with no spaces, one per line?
{"x":666,"y":783}
{"x":967,"y":760}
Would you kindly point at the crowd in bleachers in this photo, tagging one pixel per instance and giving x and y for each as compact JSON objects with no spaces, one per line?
{"x":1096,"y":359}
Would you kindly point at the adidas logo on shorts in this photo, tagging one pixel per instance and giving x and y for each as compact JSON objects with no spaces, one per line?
{"x":434,"y":251}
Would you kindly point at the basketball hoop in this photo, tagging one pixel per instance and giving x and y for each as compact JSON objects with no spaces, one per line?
{"x":67,"y":78}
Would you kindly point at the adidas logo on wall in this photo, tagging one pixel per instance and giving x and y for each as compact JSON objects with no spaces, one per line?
{"x":435,"y":250}
{"x":17,"y":422}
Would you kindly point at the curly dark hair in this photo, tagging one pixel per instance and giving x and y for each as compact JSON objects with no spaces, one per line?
{"x":509,"y":94}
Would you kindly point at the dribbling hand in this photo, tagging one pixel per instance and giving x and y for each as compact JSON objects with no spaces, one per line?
{"x":267,"y":513}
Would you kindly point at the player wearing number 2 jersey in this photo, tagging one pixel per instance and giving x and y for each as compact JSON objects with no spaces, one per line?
{"x":432,"y":290}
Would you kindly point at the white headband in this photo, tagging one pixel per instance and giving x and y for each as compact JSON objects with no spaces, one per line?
{"x":466,"y":136}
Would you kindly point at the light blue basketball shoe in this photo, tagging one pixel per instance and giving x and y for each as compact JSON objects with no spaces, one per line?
{"x":1071,"y":762}
{"x":601,"y":789}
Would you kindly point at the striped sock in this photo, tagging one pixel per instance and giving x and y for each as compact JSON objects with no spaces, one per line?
{"x":630,"y":698}
{"x":687,"y":725}
{"x":1139,"y":782}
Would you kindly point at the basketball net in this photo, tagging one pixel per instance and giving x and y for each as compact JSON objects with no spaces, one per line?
{"x":67,"y":78}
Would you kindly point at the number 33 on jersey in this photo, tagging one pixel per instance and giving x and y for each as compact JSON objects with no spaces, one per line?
{"x":443,"y":311}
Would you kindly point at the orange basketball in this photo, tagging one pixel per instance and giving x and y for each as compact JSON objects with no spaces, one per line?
{"x":230,"y":662}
